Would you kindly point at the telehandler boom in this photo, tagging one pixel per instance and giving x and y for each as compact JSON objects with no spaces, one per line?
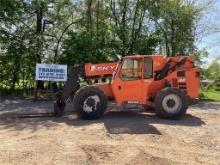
{"x":166,"y":84}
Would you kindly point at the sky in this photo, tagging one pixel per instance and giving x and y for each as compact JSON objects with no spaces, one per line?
{"x":211,"y":40}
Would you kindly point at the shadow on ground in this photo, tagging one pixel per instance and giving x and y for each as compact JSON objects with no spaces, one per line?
{"x":115,"y":122}
{"x":25,"y":106}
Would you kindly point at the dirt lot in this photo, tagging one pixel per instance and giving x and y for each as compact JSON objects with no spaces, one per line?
{"x":29,"y":135}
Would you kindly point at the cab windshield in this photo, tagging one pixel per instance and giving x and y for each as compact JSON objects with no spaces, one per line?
{"x":131,"y":69}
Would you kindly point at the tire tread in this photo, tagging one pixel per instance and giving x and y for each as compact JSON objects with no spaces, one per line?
{"x":159,"y":108}
{"x":83,"y":92}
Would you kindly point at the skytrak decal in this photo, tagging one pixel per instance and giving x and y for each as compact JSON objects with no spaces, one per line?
{"x":102,"y":68}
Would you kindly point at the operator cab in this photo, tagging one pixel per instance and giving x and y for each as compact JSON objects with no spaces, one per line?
{"x":132,"y":79}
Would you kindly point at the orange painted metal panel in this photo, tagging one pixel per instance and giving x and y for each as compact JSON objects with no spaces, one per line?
{"x":106,"y":88}
{"x":141,"y":90}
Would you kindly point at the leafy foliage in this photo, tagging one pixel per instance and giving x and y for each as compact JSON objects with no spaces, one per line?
{"x":73,"y":32}
{"x":214,"y":70}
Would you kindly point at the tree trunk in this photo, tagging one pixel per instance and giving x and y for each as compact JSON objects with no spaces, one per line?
{"x":167,"y":44}
{"x":13,"y":82}
{"x":123,"y":23}
{"x":56,"y":50}
{"x":97,"y":21}
{"x":136,"y":32}
{"x":89,"y":16}
{"x":172,"y":42}
{"x":39,"y":84}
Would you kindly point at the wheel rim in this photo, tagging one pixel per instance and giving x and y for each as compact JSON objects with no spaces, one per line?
{"x":172,"y":103}
{"x":91,"y":103}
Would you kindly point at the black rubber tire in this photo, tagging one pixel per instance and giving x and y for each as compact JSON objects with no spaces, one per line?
{"x":84,"y":93}
{"x":161,"y":112}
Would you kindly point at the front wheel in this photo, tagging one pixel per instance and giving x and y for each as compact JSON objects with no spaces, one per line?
{"x":90,"y":102}
{"x":171,"y":103}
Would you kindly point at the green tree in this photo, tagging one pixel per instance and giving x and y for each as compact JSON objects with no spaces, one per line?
{"x":176,"y":21}
{"x":214,"y":70}
{"x":72,"y":32}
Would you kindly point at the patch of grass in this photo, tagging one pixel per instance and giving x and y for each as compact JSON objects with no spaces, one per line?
{"x":211,"y":95}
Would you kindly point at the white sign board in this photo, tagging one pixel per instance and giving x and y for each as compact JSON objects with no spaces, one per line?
{"x":51,"y":72}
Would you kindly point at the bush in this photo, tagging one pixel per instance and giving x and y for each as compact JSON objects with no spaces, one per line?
{"x":202,"y":95}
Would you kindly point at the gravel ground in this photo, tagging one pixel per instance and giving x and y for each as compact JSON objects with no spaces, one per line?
{"x":30,"y":135}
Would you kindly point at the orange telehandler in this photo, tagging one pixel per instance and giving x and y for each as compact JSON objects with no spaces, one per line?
{"x":167,"y":84}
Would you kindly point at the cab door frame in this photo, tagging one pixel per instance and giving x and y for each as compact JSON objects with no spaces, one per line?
{"x":128,"y":91}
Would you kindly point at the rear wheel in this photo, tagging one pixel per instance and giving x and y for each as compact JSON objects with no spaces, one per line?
{"x":171,"y":103}
{"x":90,"y":102}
